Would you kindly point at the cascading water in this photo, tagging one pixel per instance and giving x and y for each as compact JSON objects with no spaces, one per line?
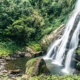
{"x":68,"y":61}
{"x":72,"y":48}
{"x":70,"y":36}
{"x":52,"y":48}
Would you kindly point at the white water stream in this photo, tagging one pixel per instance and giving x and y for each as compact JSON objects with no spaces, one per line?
{"x":72,"y":48}
{"x":59,"y":46}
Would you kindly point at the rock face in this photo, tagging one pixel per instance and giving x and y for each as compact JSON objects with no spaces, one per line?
{"x":36,"y":66}
{"x":28,"y":52}
{"x":22,"y":54}
{"x":46,"y":40}
{"x":33,"y":53}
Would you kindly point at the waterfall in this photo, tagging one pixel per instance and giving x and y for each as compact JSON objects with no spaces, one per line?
{"x":68,"y":41}
{"x":68,"y":61}
{"x":52,"y":48}
{"x":72,"y":48}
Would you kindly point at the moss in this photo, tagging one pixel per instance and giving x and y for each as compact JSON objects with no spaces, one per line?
{"x":31,"y":61}
{"x":54,"y":77}
{"x":78,"y":50}
{"x":78,"y":64}
{"x":30,"y":70}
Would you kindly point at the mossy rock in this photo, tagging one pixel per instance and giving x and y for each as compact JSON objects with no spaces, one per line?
{"x":54,"y":35}
{"x":33,"y":53}
{"x":31,"y":62}
{"x":36,"y":66}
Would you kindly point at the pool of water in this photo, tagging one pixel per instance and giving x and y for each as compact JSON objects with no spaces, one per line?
{"x":54,"y":68}
{"x":18,"y":63}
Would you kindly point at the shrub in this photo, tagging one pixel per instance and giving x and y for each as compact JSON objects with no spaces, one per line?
{"x":35,"y":46}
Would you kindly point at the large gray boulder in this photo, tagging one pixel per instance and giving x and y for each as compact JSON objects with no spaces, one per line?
{"x":36,"y":66}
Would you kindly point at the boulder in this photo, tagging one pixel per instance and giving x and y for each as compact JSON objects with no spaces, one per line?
{"x":27,"y":54}
{"x":2,"y":61}
{"x":20,"y":54}
{"x":32,"y":52}
{"x":36,"y":66}
{"x":8,"y":58}
{"x":14,"y":71}
{"x":1,"y":74}
{"x":24,"y":77}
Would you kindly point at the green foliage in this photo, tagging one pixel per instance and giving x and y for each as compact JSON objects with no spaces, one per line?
{"x":44,"y":77}
{"x":47,"y":30}
{"x":30,"y":65}
{"x":23,"y":21}
{"x":35,"y":46}
{"x":31,"y":61}
{"x":7,"y":48}
{"x":53,"y":77}
{"x":78,"y":50}
{"x":78,"y":64}
{"x":30,"y":70}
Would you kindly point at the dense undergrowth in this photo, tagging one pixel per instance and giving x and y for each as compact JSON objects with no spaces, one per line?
{"x":25,"y":22}
{"x":50,"y":77}
{"x":7,"y":48}
{"x":53,"y":77}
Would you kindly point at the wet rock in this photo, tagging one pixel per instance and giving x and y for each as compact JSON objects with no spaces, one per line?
{"x":37,"y":54}
{"x":12,"y":78}
{"x":1,"y":78}
{"x":77,"y":57}
{"x":29,"y":50}
{"x":8,"y":58}
{"x":17,"y":56}
{"x":36,"y":66}
{"x":20,"y":53}
{"x":14,"y":71}
{"x":28,"y":55}
{"x":24,"y":76}
{"x":33,"y":53}
{"x":2,"y":67}
{"x":2,"y":61}
{"x":75,"y":71}
{"x":1,"y":74}
{"x":4,"y":71}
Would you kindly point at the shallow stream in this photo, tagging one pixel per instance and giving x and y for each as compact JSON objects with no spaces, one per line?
{"x":19,"y":63}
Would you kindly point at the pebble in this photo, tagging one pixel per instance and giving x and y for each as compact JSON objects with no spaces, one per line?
{"x":1,"y":74}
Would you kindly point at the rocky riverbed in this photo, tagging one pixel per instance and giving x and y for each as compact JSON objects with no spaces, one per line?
{"x":3,"y":71}
{"x":38,"y":68}
{"x":10,"y":71}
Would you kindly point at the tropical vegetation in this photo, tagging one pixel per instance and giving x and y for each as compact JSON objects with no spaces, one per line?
{"x":25,"y":22}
